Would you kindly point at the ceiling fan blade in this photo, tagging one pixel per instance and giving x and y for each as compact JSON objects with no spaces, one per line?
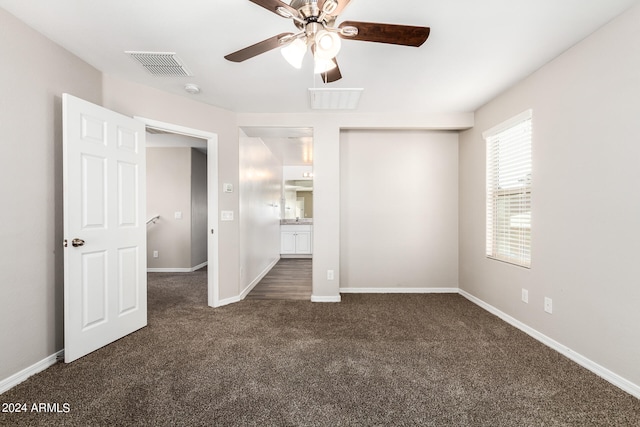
{"x":341,"y":5}
{"x":405,"y":35}
{"x":332,"y":75}
{"x":258,"y":48}
{"x":273,"y":5}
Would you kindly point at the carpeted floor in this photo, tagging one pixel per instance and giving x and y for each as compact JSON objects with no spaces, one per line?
{"x":429,"y":360}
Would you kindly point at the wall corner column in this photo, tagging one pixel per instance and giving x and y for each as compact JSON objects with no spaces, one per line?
{"x":326,"y":218}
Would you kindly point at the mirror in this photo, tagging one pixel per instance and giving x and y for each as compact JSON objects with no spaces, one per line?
{"x":298,"y":199}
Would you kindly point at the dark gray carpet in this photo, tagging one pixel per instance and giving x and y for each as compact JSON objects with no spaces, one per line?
{"x":371,"y":360}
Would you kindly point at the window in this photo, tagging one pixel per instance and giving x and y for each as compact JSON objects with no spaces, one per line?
{"x":509,"y":190}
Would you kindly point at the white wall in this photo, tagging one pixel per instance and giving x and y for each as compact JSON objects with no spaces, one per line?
{"x":260,"y":194}
{"x":398,"y":210}
{"x":169,"y":191}
{"x":34,"y":75}
{"x":173,"y":187}
{"x":586,"y":200}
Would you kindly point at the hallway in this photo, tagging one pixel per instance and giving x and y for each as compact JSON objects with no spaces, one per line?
{"x":289,"y":279}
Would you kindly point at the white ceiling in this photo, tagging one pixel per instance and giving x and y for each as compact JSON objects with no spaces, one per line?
{"x":476,"y":49}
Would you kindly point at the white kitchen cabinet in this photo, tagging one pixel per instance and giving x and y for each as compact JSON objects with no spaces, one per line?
{"x":296,"y":239}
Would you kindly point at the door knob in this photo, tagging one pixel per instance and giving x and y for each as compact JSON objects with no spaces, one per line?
{"x":77,"y":242}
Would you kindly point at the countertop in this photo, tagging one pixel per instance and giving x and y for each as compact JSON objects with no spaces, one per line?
{"x":301,"y":221}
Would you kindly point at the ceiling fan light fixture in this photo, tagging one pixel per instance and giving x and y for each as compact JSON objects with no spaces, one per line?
{"x":294,"y":52}
{"x":316,"y":21}
{"x":322,"y":65}
{"x":327,"y":44}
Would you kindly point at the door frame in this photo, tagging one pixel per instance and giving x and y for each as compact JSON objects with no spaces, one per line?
{"x":213,"y":271}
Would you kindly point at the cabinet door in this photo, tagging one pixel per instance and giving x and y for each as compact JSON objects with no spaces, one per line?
{"x":287,"y":242}
{"x":303,"y":242}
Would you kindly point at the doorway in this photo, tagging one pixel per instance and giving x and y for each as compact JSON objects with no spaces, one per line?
{"x":209,"y":142}
{"x":176,"y":202}
{"x":276,"y":205}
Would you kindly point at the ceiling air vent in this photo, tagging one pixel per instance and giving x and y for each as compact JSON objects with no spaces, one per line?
{"x":334,"y":99}
{"x":160,"y":63}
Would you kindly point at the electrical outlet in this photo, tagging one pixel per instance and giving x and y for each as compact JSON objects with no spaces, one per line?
{"x":525,"y":296}
{"x":329,"y":274}
{"x":155,"y":254}
{"x":548,"y":305}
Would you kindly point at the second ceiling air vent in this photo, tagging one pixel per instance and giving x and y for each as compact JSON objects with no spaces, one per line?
{"x":161,"y":63}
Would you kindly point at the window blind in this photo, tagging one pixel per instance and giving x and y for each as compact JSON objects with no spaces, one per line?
{"x":509,"y":191}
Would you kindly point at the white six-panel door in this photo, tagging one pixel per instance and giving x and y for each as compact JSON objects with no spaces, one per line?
{"x":105,"y":289}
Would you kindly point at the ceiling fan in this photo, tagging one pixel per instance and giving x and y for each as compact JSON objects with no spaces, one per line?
{"x":316,"y":21}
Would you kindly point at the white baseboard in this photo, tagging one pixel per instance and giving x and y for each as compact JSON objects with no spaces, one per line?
{"x":40,"y":366}
{"x":227,"y":301}
{"x":177,"y":270}
{"x":612,"y":377}
{"x":199,"y":266}
{"x":257,"y":280}
{"x":398,"y":290}
{"x":334,"y":298}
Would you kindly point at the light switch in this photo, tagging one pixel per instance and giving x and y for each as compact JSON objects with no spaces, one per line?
{"x":177,"y":215}
{"x":227,"y":188}
{"x":226,"y":215}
